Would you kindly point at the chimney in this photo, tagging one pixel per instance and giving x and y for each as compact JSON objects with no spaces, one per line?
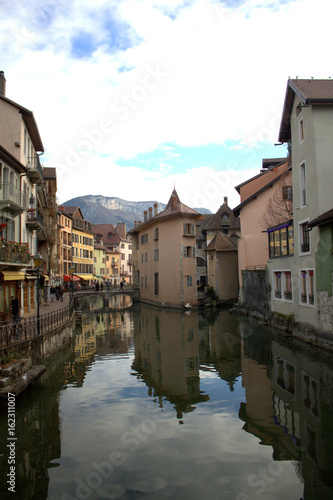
{"x":121,"y":229}
{"x":226,"y":200}
{"x":145,"y":216}
{"x":2,"y":83}
{"x":155,"y":209}
{"x":135,"y":223}
{"x":150,"y":212}
{"x":61,"y":208}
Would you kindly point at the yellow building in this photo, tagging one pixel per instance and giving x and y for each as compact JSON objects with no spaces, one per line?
{"x":82,"y":245}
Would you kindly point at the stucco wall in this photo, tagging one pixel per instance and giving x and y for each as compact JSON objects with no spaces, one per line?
{"x":256,"y":292}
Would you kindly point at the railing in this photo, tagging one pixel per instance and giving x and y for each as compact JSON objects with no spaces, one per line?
{"x":15,"y":332}
{"x":34,"y":216}
{"x":34,"y":164}
{"x":13,"y":194}
{"x":17,"y":253}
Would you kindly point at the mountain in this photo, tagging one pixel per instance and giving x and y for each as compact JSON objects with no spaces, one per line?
{"x":99,"y":209}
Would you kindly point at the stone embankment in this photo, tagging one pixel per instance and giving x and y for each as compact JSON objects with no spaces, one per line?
{"x":17,"y":376}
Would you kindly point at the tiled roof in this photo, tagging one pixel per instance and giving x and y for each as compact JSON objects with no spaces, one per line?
{"x":174,"y":207}
{"x":310,"y":91}
{"x":217,"y":222}
{"x":49,"y":173}
{"x":313,"y":90}
{"x":109,"y":234}
{"x":222,"y":243}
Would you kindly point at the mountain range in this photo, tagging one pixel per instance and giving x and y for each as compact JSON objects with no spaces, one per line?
{"x":99,"y":209}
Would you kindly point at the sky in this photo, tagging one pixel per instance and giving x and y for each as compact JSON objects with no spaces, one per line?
{"x":134,"y":97}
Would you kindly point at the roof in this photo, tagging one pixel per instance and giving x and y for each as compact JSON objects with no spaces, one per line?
{"x":108,"y":233}
{"x":49,"y":173}
{"x":310,"y":92}
{"x":255,"y":195}
{"x":325,"y":218}
{"x":217,"y":222}
{"x":98,"y":246}
{"x":221,"y":243}
{"x":272,"y":162}
{"x":174,"y":208}
{"x":30,"y":122}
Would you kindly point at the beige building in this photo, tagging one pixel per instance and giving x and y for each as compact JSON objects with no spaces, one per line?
{"x":222,"y":267}
{"x":255,"y":194}
{"x":164,"y":255}
{"x":64,"y":244}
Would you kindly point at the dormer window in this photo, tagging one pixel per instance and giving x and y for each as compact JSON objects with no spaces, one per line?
{"x":225,"y":216}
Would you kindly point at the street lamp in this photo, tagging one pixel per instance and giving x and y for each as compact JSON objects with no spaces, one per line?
{"x":38,"y":262}
{"x":71,"y":272}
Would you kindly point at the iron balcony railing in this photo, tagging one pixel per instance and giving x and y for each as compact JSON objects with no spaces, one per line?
{"x":16,"y":253}
{"x":12,"y":194}
{"x":24,"y":329}
{"x":33,"y":163}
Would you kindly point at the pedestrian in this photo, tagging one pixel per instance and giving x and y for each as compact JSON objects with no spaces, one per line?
{"x":57,"y":293}
{"x":108,"y":285}
{"x":97,"y":286}
{"x":61,"y":293}
{"x":52,"y":293}
{"x":122,"y":284}
{"x":102,"y":286}
{"x":15,"y":308}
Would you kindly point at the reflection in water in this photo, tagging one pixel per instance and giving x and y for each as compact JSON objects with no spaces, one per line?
{"x":100,"y":423}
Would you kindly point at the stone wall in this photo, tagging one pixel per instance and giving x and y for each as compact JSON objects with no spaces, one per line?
{"x":255,"y":293}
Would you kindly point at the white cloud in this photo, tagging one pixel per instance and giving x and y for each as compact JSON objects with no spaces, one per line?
{"x":220,"y":74}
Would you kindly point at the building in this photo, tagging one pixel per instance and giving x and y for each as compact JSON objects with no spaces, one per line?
{"x":222,"y":267}
{"x":99,"y":262}
{"x":64,"y":245}
{"x":116,"y":238}
{"x":270,"y":189}
{"x":164,"y":255}
{"x":23,"y":200}
{"x":113,"y":267}
{"x":82,"y":245}
{"x":307,"y":126}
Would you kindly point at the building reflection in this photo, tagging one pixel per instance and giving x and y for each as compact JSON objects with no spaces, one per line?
{"x":167,"y":357}
{"x":289,"y":405}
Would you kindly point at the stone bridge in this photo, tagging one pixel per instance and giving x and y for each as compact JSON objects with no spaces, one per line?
{"x":132,"y":292}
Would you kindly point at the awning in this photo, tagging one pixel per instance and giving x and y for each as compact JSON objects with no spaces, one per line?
{"x":46,"y":278}
{"x":69,"y":278}
{"x":85,"y":276}
{"x":12,"y":275}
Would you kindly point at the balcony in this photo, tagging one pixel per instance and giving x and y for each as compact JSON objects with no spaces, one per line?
{"x":13,"y":199}
{"x":34,"y":219}
{"x":15,"y":253}
{"x":35,"y":171}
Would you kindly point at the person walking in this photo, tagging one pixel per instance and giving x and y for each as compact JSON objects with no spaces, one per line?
{"x":52,"y":293}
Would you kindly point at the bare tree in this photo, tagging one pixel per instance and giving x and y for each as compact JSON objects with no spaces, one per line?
{"x":279,"y":208}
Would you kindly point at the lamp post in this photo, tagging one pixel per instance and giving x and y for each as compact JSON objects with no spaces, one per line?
{"x":38,"y":262}
{"x":71,"y":272}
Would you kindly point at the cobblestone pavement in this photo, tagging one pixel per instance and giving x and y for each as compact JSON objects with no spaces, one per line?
{"x":47,"y":307}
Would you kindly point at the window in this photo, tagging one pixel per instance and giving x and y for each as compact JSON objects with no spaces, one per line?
{"x":199,"y":245}
{"x":301,"y":130}
{"x":189,"y":280}
{"x":156,"y":255}
{"x":144,"y":239}
{"x":189,"y":229}
{"x":281,"y":241}
{"x":142,"y":258}
{"x":304,"y":237}
{"x":156,"y":234}
{"x":302,"y":177}
{"x":282,"y":285}
{"x":146,"y":257}
{"x":193,"y":251}
{"x":156,"y":280}
{"x":122,"y":256}
{"x":187,"y":251}
{"x":287,"y":193}
{"x":145,"y":281}
{"x":307,"y":287}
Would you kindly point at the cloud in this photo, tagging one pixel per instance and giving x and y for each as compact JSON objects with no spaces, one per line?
{"x":124,"y":78}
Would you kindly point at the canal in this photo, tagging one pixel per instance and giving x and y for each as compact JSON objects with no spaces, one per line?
{"x":152,"y":404}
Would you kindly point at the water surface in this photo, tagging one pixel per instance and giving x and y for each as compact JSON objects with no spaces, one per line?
{"x":149,"y":404}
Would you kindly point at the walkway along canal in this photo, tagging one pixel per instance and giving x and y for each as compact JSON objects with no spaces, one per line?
{"x":145,"y":403}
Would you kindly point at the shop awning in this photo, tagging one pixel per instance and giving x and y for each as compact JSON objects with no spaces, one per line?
{"x":69,"y":278}
{"x":85,"y":276}
{"x":12,"y":275}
